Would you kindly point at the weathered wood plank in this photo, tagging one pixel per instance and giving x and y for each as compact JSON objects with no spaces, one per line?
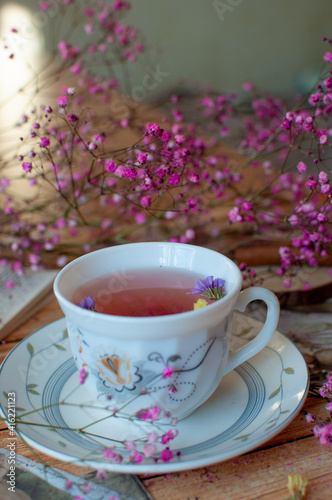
{"x":262,"y":474}
{"x":299,"y":428}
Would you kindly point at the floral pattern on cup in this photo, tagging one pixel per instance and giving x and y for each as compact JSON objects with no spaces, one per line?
{"x":118,"y":372}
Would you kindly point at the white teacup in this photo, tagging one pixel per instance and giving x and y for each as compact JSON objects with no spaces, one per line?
{"x":126,"y":356}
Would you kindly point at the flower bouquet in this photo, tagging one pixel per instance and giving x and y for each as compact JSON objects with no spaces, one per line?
{"x":96,"y":166}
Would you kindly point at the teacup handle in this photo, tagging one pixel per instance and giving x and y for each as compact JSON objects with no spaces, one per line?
{"x":264,"y":336}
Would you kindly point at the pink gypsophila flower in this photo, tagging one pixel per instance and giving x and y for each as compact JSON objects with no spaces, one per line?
{"x":168,"y":372}
{"x":301,"y":167}
{"x":323,"y":177}
{"x":248,"y":87}
{"x":153,"y":129}
{"x":328,"y":57}
{"x":101,"y":475}
{"x":140,"y":218}
{"x":89,"y":12}
{"x":310,"y":418}
{"x":155,"y":412}
{"x":27,"y":167}
{"x":325,"y":189}
{"x":130,"y":445}
{"x":168,"y":436}
{"x":234,"y":215}
{"x":151,"y":413}
{"x":100,"y":138}
{"x":110,"y":166}
{"x":76,"y":68}
{"x":44,"y":142}
{"x":172,"y":389}
{"x":179,"y":138}
{"x":141,"y":158}
{"x":314,"y":99}
{"x":34,"y":258}
{"x":149,"y":450}
{"x":88,"y":28}
{"x":72,"y":118}
{"x":166,"y":455}
{"x":326,"y":388}
{"x":44,"y":6}
{"x":112,"y":455}
{"x":83,"y":375}
{"x":166,"y":136}
{"x":287,"y":283}
{"x":121,"y":5}
{"x":136,"y":457}
{"x":87,"y":488}
{"x":145,"y":201}
{"x":68,"y":484}
{"x":152,"y":437}
{"x":130,"y":173}
{"x":174,"y":179}
{"x":62,"y":101}
{"x":311,"y":184}
{"x":246,"y":206}
{"x":324,"y":433}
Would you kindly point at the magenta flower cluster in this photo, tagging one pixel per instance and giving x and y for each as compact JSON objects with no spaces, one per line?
{"x":154,"y":446}
{"x":323,"y":431}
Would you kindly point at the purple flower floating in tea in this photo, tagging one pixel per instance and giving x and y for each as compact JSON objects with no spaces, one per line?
{"x":210,"y":288}
{"x":87,"y":303}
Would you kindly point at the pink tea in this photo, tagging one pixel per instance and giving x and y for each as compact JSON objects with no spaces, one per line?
{"x":147,"y":292}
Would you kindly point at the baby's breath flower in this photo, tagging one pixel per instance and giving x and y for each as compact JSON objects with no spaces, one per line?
{"x":83,"y":375}
{"x":168,"y":372}
{"x":166,"y":455}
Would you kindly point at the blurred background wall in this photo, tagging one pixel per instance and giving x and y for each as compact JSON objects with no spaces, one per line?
{"x":276,"y":44}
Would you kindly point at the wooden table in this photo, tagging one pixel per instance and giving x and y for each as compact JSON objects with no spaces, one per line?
{"x":262,"y":473}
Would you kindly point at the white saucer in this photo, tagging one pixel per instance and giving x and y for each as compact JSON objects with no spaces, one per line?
{"x":252,"y":404}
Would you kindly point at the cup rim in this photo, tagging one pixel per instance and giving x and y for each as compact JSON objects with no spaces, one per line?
{"x":148,"y":320}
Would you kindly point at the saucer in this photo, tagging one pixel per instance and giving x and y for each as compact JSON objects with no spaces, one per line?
{"x":252,"y":404}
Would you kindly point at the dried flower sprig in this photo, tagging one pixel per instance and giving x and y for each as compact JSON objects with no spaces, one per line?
{"x":297,"y":486}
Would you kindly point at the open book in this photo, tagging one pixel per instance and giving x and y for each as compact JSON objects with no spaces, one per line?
{"x":30,"y":292}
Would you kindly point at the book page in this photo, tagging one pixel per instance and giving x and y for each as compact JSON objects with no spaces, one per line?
{"x":28,"y":293}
